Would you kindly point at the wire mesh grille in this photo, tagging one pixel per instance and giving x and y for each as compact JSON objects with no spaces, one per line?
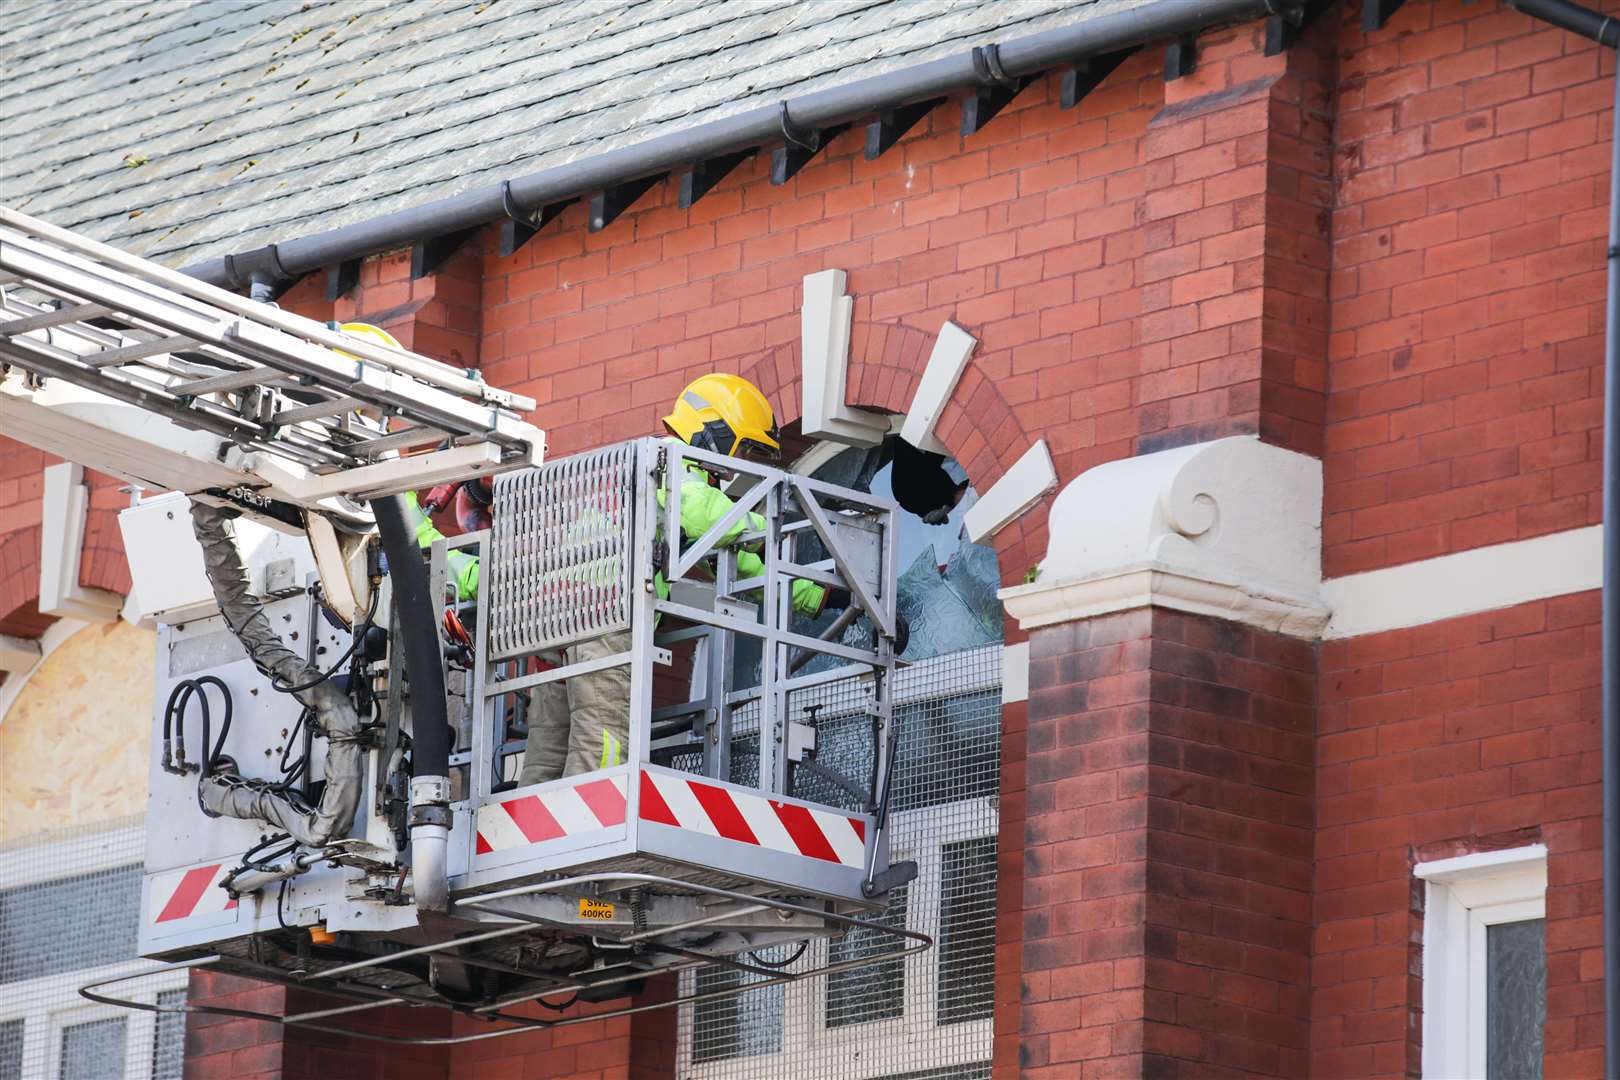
{"x":560,"y":560}
{"x":69,"y":911}
{"x":924,"y":1018}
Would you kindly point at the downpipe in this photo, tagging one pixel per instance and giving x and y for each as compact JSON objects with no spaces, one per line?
{"x":1605,"y":30}
{"x":1611,"y":618}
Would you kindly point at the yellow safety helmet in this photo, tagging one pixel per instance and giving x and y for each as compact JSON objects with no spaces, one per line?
{"x":375,"y":334}
{"x":726,"y":414}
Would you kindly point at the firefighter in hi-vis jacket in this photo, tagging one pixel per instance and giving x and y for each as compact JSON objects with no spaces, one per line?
{"x":583,"y":723}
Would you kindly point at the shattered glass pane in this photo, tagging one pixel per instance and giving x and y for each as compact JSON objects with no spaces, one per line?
{"x":947,"y":587}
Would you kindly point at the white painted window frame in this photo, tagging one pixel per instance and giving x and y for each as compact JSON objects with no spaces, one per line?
{"x":38,"y":1003}
{"x":1464,"y":896}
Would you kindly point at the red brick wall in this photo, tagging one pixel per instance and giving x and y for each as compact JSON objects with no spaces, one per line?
{"x":1471,"y":165}
{"x":1463,"y":735}
{"x":1168,"y":857}
{"x":230,"y":1048}
{"x":1118,"y":262}
{"x":636,"y":1047}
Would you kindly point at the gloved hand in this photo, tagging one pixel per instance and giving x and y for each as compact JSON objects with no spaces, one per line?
{"x":836,"y":600}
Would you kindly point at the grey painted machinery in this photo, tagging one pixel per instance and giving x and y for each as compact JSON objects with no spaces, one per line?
{"x":700,"y":848}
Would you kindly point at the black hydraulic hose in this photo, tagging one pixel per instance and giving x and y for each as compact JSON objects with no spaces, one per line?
{"x":354,"y":642}
{"x":419,"y":631}
{"x":175,"y":713}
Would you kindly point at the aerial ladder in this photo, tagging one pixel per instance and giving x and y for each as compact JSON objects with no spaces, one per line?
{"x":334,"y":798}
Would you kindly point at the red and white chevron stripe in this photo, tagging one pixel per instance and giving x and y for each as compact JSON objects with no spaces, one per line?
{"x":551,"y":815}
{"x":186,"y":893}
{"x":753,"y":819}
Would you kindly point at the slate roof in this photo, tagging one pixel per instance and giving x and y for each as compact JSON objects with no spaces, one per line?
{"x":186,"y":130}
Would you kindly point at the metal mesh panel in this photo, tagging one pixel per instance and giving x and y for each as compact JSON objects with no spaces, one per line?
{"x":94,"y":1050}
{"x":169,"y":1043}
{"x":561,"y":559}
{"x":928,"y":1017}
{"x":69,"y":908}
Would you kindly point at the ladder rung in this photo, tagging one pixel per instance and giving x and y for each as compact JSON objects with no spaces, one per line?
{"x":139,"y":351}
{"x":321,"y":409}
{"x":235,"y":380}
{"x":47,"y":319}
{"x":399,"y":440}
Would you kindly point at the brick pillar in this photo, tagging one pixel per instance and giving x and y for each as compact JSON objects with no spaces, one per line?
{"x":231,"y":1048}
{"x":1234,"y":242}
{"x":641,"y":1046}
{"x":1168,"y":848}
{"x":236,"y":1048}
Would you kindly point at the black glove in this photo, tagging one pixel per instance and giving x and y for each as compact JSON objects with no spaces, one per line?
{"x":836,"y":600}
{"x":902,"y":634}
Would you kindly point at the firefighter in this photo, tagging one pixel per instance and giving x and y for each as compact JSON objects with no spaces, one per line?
{"x":586,"y":725}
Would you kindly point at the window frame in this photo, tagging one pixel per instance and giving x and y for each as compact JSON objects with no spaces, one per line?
{"x":39,"y":1003}
{"x":1464,"y":896}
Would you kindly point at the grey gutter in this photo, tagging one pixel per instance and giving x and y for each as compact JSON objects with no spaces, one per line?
{"x":1149,"y":22}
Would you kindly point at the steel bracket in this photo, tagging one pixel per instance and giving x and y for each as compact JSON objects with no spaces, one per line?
{"x":1088,"y":74}
{"x":891,"y":124}
{"x":431,"y":254}
{"x":1285,"y":27}
{"x":1375,"y":13}
{"x":1180,"y":58}
{"x":520,"y":226}
{"x":609,"y":203}
{"x":342,"y":279}
{"x":799,"y":145}
{"x":982,"y":105}
{"x":701,"y":178}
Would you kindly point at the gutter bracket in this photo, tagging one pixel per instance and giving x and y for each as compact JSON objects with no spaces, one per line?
{"x":984,"y":102}
{"x":342,"y":278}
{"x":431,"y":254}
{"x":1285,"y":27}
{"x":1181,"y":57}
{"x":520,"y":227}
{"x":799,"y":145}
{"x":701,"y":178}
{"x":1375,"y":13}
{"x":609,"y":203}
{"x":1088,"y":74}
{"x":892,"y":124}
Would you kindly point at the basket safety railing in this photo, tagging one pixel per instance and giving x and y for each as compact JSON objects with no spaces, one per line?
{"x":593,"y":545}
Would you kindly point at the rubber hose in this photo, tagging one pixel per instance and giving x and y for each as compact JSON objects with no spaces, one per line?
{"x":419,"y":633}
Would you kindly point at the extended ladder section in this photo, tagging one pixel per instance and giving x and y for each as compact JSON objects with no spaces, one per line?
{"x":141,"y":371}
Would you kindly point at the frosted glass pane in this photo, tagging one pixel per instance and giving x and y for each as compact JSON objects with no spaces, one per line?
{"x":94,"y":1051}
{"x":1516,"y":999}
